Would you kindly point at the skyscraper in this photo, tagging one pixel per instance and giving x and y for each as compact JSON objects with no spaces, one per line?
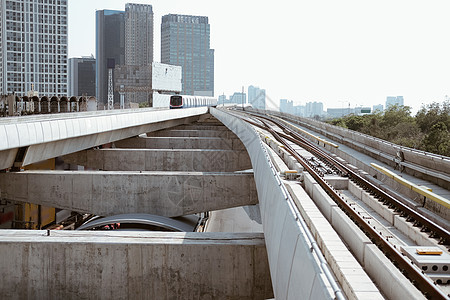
{"x":138,"y":51}
{"x":33,"y":46}
{"x":138,"y":34}
{"x":257,"y":97}
{"x":110,"y":45}
{"x":185,"y":42}
{"x":82,"y":76}
{"x":125,"y":37}
{"x":394,"y":101}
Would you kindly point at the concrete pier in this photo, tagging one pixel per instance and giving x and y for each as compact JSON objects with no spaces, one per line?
{"x":133,"y":265}
{"x":106,"y":193}
{"x":198,"y":160}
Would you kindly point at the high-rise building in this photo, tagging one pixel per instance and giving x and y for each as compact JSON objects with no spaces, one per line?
{"x":257,"y":97}
{"x":33,"y":46}
{"x":377,"y":107}
{"x":394,"y":101}
{"x":314,"y":109}
{"x":110,"y":47}
{"x":125,"y":38}
{"x":82,"y":76}
{"x":185,"y":42}
{"x":286,"y":106}
{"x":238,"y":98}
{"x":138,"y":51}
{"x":138,"y":34}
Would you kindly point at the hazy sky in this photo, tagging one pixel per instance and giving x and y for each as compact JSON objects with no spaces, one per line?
{"x":333,"y":51}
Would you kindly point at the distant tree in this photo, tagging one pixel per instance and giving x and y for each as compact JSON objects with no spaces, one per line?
{"x":433,"y":113}
{"x":143,"y":104}
{"x":438,"y":139}
{"x":428,"y":130}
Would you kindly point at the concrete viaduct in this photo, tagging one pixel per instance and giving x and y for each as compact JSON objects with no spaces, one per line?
{"x":169,"y":163}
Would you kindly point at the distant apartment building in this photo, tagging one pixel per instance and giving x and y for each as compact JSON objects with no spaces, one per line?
{"x":82,"y":76}
{"x":314,"y":109}
{"x":238,"y":98}
{"x":378,"y":107}
{"x":222,"y":99}
{"x":33,"y":47}
{"x":394,"y":101}
{"x":185,"y":42}
{"x":257,"y":97}
{"x":286,"y":106}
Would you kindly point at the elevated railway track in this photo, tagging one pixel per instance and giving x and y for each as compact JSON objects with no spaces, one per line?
{"x":319,"y":163}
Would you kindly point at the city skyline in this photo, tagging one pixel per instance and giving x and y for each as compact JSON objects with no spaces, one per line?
{"x":336,"y":53}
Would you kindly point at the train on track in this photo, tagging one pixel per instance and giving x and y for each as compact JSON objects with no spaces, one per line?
{"x":185,"y":101}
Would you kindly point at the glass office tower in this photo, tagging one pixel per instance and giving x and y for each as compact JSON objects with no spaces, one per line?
{"x":33,"y":47}
{"x":110,"y":46}
{"x":185,"y":42}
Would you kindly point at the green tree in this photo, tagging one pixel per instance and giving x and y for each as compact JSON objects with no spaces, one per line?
{"x":438,"y":139}
{"x":433,"y":113}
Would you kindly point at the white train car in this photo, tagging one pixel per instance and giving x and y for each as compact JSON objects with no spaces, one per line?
{"x":186,"y":101}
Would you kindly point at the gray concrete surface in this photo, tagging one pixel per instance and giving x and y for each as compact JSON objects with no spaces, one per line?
{"x":296,"y":273}
{"x":180,"y":143}
{"x":107,"y":193}
{"x":48,"y":136}
{"x":133,"y":265}
{"x":225,"y":134}
{"x":236,"y":219}
{"x":380,"y":269}
{"x":199,"y":160}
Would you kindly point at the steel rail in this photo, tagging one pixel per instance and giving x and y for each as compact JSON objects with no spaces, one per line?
{"x":423,"y":283}
{"x":405,"y":211}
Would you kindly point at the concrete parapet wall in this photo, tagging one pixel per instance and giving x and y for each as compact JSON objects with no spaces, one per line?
{"x":135,"y":265}
{"x":296,"y":271}
{"x":198,"y":160}
{"x":105,"y":193}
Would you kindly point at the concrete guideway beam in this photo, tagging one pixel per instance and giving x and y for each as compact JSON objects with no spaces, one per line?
{"x":50,"y":136}
{"x":133,"y":265}
{"x":106,"y":193}
{"x":296,"y":271}
{"x":180,"y":143}
{"x":198,"y":160}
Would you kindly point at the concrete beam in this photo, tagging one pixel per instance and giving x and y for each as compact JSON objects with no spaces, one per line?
{"x":106,"y":193}
{"x":135,"y":265}
{"x":198,"y":160}
{"x":180,"y":143}
{"x":225,"y":134}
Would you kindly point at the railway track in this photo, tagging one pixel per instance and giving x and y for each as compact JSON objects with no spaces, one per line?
{"x":323,"y":164}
